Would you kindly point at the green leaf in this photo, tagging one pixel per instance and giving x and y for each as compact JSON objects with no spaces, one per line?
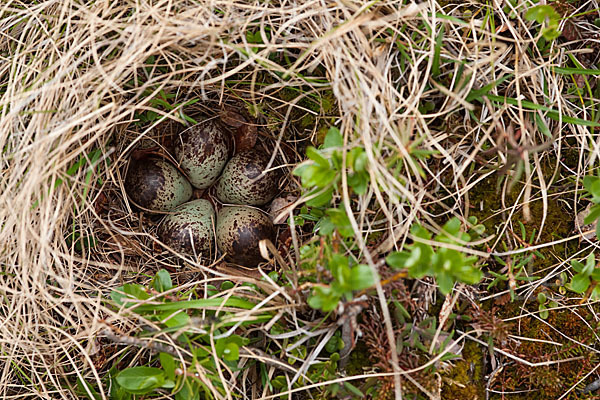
{"x":324,"y":298}
{"x":577,"y":266}
{"x":318,"y":176}
{"x":551,"y":33}
{"x":589,"y":181}
{"x":162,"y":281}
{"x":596,"y":293}
{"x":168,"y":363}
{"x":279,"y":382}
{"x":435,"y":69}
{"x":542,"y":126}
{"x":316,"y":156}
{"x":452,"y":227}
{"x":580,"y":283}
{"x":593,"y":215}
{"x":353,"y":389}
{"x":575,"y":71}
{"x":476,"y":94}
{"x":359,"y":183}
{"x":229,"y":347}
{"x":325,"y":226}
{"x":174,"y":319}
{"x":341,"y":221}
{"x":540,"y":13}
{"x":361,"y":161}
{"x":333,"y":138}
{"x":420,"y":232}
{"x":338,"y":265}
{"x":116,"y":391}
{"x":231,"y":352}
{"x":141,"y":380}
{"x":322,"y":199}
{"x":169,"y":384}
{"x":592,"y":185}
{"x":594,"y":189}
{"x":541,"y":298}
{"x":415,"y":258}
{"x":361,"y":277}
{"x":590,"y":263}
{"x":470,"y":275}
{"x":397,"y":259}
{"x":226,"y":285}
{"x":445,"y":282}
{"x":136,"y":291}
{"x":419,"y":270}
{"x":543,"y":311}
{"x":129,"y":290}
{"x":331,"y":346}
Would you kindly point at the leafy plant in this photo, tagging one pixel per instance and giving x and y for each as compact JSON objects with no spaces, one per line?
{"x":587,"y":274}
{"x":347,"y":279}
{"x":546,"y":15}
{"x":446,"y":265}
{"x":142,"y":380}
{"x":174,"y":315}
{"x":592,"y":185}
{"x":542,"y":300}
{"x":322,"y":172}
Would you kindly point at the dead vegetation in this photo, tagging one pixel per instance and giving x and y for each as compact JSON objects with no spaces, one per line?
{"x":460,"y":109}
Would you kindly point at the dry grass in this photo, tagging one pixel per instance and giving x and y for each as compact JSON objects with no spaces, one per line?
{"x":74,"y":76}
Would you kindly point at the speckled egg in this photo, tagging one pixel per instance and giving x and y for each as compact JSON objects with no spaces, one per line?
{"x":242,"y":183}
{"x":189,"y":228}
{"x":239,"y":229}
{"x":202,"y":152}
{"x":156,"y":185}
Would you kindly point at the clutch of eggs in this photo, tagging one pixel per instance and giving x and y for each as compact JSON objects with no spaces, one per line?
{"x":193,"y":227}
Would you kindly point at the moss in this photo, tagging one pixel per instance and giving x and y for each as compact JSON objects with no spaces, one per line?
{"x":543,"y":382}
{"x":358,"y":360}
{"x":465,"y":380}
{"x":486,"y":204}
{"x":547,"y":381}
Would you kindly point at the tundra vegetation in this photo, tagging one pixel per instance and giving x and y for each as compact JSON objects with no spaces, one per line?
{"x":436,"y":216}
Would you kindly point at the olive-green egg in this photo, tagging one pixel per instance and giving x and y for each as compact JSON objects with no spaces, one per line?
{"x":189,"y":228}
{"x":202,"y":152}
{"x":155,"y":184}
{"x":239,"y":229}
{"x":242,"y":183}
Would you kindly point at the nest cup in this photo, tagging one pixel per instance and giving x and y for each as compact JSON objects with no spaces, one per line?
{"x":241,"y":160}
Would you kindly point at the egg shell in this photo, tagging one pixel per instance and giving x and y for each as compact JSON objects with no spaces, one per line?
{"x":202,"y":152}
{"x":156,"y":185}
{"x":239,"y":183}
{"x":189,"y":228}
{"x":239,"y":230}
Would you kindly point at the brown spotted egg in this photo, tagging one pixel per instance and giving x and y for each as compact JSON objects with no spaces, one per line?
{"x":202,"y":152}
{"x":239,"y":230}
{"x":189,"y":228}
{"x":243,"y":181}
{"x":156,"y":185}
